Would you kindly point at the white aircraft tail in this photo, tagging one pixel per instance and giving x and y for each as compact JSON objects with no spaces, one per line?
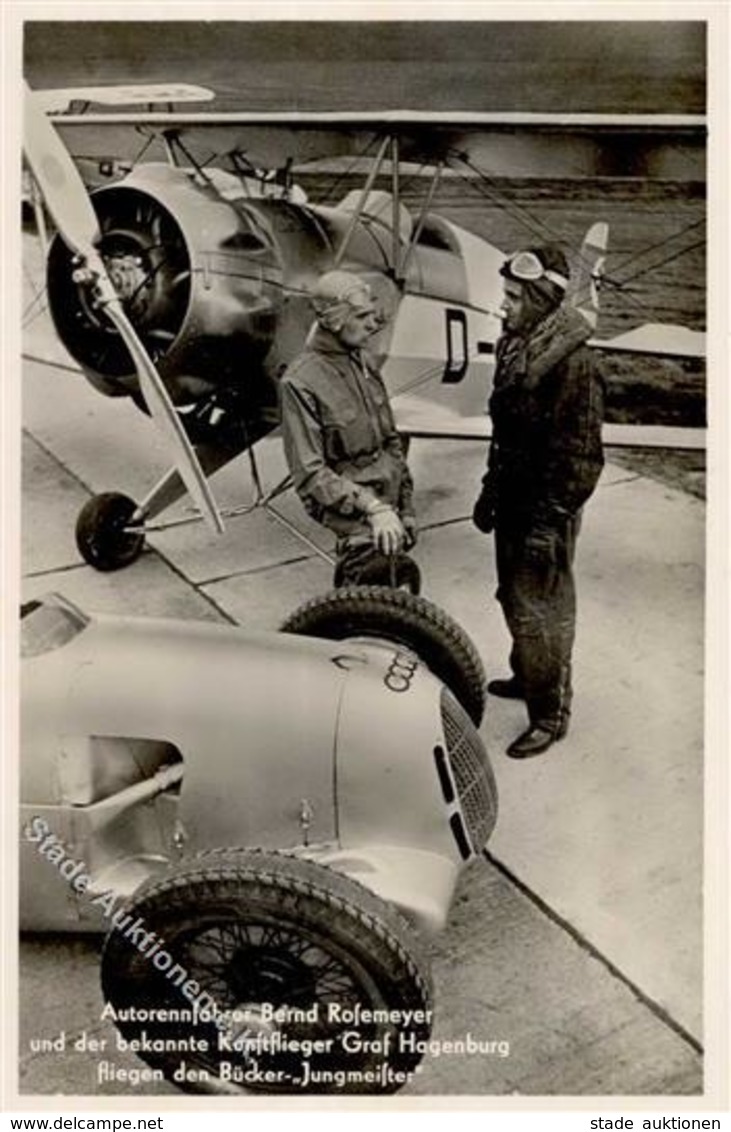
{"x":587,"y":272}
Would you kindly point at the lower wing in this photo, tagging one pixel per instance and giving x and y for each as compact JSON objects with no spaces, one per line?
{"x":420,"y":417}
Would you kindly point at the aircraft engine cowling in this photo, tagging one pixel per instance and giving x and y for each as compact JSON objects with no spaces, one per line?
{"x":199,"y":277}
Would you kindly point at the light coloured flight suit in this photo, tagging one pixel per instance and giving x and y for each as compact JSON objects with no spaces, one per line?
{"x":341,"y":444}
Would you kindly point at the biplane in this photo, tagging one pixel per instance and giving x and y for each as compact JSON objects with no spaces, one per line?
{"x":182,"y":281}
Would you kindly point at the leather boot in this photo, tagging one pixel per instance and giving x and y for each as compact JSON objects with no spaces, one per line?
{"x":538,"y":738}
{"x":532,"y":742}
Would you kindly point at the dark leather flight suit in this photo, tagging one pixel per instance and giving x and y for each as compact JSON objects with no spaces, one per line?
{"x":544,"y":462}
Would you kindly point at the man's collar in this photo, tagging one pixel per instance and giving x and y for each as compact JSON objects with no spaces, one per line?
{"x":564,"y":320}
{"x":325,"y":342}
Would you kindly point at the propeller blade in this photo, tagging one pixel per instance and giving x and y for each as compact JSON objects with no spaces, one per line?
{"x":58,"y":177}
{"x":73,"y":212}
{"x":165,"y":417}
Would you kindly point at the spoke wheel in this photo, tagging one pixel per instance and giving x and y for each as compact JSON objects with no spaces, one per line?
{"x":101,"y":537}
{"x":289,"y":962}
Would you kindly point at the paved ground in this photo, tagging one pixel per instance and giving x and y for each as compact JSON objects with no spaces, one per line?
{"x":580,"y":941}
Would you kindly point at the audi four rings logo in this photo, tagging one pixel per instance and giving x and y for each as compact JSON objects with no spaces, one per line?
{"x":400,"y":672}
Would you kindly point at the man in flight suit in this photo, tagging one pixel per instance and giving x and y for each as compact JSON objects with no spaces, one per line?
{"x":340,"y":440}
{"x":544,"y":461}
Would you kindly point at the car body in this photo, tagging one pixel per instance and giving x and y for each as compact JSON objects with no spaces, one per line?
{"x":289,"y":814}
{"x":146,"y":739}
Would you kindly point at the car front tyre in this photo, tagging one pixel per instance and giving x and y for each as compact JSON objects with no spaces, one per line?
{"x":306,"y":981}
{"x":403,"y":619}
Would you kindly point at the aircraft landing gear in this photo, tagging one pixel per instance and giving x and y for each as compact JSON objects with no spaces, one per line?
{"x":101,"y":537}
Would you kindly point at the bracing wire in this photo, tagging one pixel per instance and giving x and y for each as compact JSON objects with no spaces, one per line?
{"x":542,"y":230}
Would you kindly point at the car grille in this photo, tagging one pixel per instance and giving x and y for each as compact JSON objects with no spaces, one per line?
{"x":471,"y":772}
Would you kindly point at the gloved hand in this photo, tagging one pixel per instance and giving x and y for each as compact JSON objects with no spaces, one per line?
{"x":483,"y":513}
{"x":542,"y":546}
{"x":386,"y":528}
{"x":411,"y":531}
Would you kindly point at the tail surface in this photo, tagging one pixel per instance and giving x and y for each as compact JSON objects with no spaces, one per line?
{"x":587,"y":272}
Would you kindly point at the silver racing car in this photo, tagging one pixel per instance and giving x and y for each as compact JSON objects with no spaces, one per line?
{"x":266,"y":825}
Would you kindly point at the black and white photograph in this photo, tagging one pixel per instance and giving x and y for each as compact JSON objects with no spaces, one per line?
{"x":369,"y":739}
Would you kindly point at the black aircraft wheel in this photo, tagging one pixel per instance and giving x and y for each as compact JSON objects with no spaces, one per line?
{"x":269,"y":973}
{"x":101,"y":537}
{"x":404,"y":619}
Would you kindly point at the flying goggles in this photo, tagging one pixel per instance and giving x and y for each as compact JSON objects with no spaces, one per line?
{"x":527,"y":267}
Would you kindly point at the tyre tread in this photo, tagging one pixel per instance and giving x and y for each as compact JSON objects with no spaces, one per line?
{"x":412,"y":955}
{"x":356,"y":606}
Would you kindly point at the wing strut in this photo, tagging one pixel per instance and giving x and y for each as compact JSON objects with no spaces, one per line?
{"x":395,"y":226}
{"x":422,"y":217}
{"x":365,"y":191}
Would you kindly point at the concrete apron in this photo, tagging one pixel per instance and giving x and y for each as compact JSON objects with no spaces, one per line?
{"x":606,"y":828}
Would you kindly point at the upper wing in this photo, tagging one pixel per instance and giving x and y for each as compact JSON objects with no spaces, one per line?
{"x":508,"y":143}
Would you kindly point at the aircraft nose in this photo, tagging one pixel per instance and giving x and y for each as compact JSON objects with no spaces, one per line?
{"x":198,"y":279}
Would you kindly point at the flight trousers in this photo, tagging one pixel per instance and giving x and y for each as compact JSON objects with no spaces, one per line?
{"x":356,"y":557}
{"x":360,"y":563}
{"x":539,"y":605}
